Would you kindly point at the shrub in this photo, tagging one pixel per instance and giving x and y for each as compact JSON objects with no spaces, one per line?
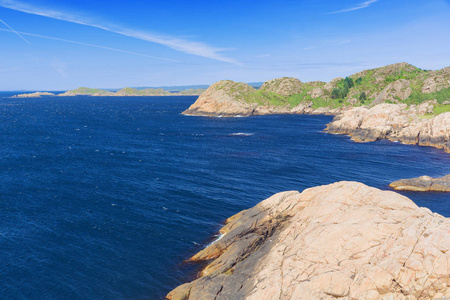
{"x":362,"y":96}
{"x":336,"y":93}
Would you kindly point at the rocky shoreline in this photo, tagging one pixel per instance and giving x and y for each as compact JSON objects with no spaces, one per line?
{"x":344,"y":240}
{"x":395,"y":122}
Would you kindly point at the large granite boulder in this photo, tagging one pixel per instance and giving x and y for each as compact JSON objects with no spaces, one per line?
{"x":345,"y":240}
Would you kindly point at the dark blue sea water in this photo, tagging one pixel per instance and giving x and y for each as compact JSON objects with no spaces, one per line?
{"x":104,"y":198}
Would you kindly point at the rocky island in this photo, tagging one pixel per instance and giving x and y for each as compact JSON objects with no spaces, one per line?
{"x":345,"y":240}
{"x":399,"y":102}
{"x":34,"y":95}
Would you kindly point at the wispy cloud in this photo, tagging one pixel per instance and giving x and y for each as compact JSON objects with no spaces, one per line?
{"x":88,"y":45}
{"x":14,"y":31}
{"x":182,"y":45}
{"x":362,"y":5}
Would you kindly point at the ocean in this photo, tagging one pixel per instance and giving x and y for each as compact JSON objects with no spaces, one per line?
{"x":106,"y":197}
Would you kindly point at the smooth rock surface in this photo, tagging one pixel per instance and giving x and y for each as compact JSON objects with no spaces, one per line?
{"x":345,"y":240}
{"x":223,"y":98}
{"x":423,"y":184}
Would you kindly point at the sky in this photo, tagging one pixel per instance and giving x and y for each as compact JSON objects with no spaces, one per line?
{"x":64,"y":44}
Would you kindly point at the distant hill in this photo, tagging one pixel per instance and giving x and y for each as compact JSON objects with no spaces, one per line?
{"x":176,"y":88}
{"x":83,"y":91}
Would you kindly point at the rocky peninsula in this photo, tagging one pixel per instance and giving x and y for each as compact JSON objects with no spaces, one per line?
{"x":399,"y":102}
{"x":345,"y":240}
{"x":423,"y":184}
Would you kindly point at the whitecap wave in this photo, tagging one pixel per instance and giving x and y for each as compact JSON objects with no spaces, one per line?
{"x":216,"y":240}
{"x":242,"y":134}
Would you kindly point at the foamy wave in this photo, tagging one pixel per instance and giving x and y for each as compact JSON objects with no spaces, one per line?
{"x":216,"y":240}
{"x":242,"y":134}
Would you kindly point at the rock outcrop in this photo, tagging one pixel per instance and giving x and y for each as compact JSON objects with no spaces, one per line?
{"x":397,"y":90}
{"x":344,"y":240}
{"x":423,"y":184}
{"x":285,"y":86}
{"x":224,"y":98}
{"x":395,"y":122}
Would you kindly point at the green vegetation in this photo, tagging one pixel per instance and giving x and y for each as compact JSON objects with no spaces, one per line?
{"x":362,"y":96}
{"x":442,"y":108}
{"x":88,"y":91}
{"x":191,"y":92}
{"x":417,"y":97}
{"x":403,"y":74}
{"x":145,"y":92}
{"x":342,"y":89}
{"x":266,"y":98}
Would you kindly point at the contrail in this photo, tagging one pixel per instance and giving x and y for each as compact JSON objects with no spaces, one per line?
{"x":89,"y":45}
{"x":15,"y":31}
{"x":179,"y":44}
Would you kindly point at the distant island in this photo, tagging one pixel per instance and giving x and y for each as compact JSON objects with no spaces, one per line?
{"x":182,"y":90}
{"x":84,"y":91}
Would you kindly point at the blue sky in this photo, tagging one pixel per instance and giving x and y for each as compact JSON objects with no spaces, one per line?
{"x":59,"y":45}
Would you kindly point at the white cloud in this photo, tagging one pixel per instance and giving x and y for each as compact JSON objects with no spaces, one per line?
{"x":182,"y":45}
{"x":88,"y":45}
{"x":362,"y":5}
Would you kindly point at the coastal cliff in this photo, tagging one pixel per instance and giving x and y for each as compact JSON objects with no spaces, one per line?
{"x":345,"y":240}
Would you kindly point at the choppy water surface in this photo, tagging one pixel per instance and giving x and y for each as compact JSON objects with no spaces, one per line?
{"x":103,"y":198}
